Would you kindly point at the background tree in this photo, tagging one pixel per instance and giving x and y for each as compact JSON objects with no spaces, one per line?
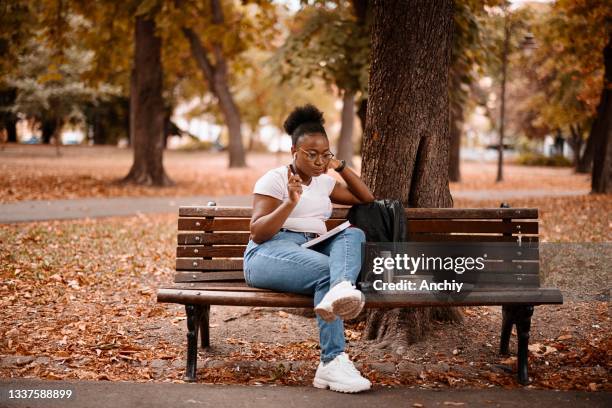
{"x":505,"y":31}
{"x":333,"y":45}
{"x":576,"y":69}
{"x":566,"y":80}
{"x":16,"y":25}
{"x":147,"y":103}
{"x":601,"y":181}
{"x":467,"y":58}
{"x":262,"y":93}
{"x":217,"y":33}
{"x":406,"y":143}
{"x":51,"y":90}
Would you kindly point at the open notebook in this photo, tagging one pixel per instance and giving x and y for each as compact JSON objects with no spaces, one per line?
{"x":328,"y":234}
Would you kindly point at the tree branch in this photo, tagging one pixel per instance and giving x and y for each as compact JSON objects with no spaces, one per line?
{"x":199,"y":53}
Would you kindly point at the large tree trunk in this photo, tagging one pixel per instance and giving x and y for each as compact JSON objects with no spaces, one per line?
{"x":8,"y":120}
{"x":132,"y":104}
{"x":48,"y":127}
{"x":575,"y":141}
{"x":601,"y":181}
{"x":406,"y":142}
{"x":454,"y":170}
{"x":361,"y":114}
{"x":147,"y":108}
{"x":100,"y":132}
{"x":217,"y":78}
{"x":345,"y":142}
{"x":585,"y":162}
{"x":11,"y":129}
{"x":57,"y":136}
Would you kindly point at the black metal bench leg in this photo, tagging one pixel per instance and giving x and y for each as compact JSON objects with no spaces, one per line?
{"x":204,"y":326}
{"x":507,"y":323}
{"x":521,"y":316}
{"x":523,"y":325}
{"x":193,"y":321}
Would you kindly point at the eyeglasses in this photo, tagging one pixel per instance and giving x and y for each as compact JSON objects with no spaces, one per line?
{"x":325,"y":157}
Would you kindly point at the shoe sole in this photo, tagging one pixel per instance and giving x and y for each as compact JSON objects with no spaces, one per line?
{"x":348,"y":308}
{"x":334,"y":387}
{"x":325,"y":314}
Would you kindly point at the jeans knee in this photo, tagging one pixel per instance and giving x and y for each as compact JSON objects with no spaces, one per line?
{"x":356,"y":233}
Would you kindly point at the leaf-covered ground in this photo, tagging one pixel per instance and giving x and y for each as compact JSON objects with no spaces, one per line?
{"x":77,"y":301}
{"x":35,"y":173}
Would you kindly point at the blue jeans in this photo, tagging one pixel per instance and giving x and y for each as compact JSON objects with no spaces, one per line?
{"x":281,"y":264}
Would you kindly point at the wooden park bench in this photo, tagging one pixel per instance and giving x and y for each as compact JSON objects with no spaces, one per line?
{"x":212,"y":240}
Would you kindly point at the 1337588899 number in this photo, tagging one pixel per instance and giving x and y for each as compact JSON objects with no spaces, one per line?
{"x":39,"y":394}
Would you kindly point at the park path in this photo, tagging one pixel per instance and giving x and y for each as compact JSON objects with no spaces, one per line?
{"x":129,"y":394}
{"x":44,"y":210}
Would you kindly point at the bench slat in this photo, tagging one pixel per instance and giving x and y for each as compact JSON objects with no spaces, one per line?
{"x":199,"y":264}
{"x":488,"y":279}
{"x":215,"y":224}
{"x":243,"y":287}
{"x":273,"y":299}
{"x":433,"y":226}
{"x":491,"y":279}
{"x":216,"y":238}
{"x":411,"y":213}
{"x":493,"y":252}
{"x":210,"y":251}
{"x":186,"y":238}
{"x":445,"y":237}
{"x":235,"y":286}
{"x":228,"y":224}
{"x":428,"y":226}
{"x":209,"y":276}
{"x":214,"y":265}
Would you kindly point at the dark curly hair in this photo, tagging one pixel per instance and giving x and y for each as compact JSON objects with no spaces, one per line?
{"x":304,"y":120}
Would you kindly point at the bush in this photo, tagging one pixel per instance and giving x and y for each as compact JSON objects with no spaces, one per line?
{"x":537,"y":159}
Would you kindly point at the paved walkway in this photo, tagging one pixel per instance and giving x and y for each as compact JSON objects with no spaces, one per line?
{"x":152,"y":395}
{"x":24,"y":211}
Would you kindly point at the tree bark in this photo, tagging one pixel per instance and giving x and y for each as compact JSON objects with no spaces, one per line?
{"x":11,"y":129}
{"x":406,"y":141}
{"x":361,"y":114}
{"x":48,"y":127}
{"x":585,"y":162}
{"x":57,"y":136}
{"x":345,"y":142}
{"x":576,"y":143}
{"x":100,"y":133}
{"x":147,"y":108}
{"x":217,"y":78}
{"x":601,"y":181}
{"x":454,"y":170}
{"x":502,"y":113}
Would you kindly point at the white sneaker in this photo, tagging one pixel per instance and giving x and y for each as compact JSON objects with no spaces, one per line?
{"x":340,"y":375}
{"x":342,"y":300}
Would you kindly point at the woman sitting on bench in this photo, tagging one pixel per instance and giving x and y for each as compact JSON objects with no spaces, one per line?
{"x":290,"y":206}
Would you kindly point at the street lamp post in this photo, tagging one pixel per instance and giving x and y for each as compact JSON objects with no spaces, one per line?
{"x":502,"y":113}
{"x":527,"y":44}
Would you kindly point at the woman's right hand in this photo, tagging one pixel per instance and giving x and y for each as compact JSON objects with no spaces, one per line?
{"x":294,"y":186}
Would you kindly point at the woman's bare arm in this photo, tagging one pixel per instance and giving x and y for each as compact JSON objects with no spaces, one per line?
{"x":269,"y":213}
{"x":355,"y":192}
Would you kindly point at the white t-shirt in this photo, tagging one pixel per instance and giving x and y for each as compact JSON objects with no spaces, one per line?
{"x":314,"y":207}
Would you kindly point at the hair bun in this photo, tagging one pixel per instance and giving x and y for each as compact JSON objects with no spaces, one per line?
{"x":303,"y":114}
